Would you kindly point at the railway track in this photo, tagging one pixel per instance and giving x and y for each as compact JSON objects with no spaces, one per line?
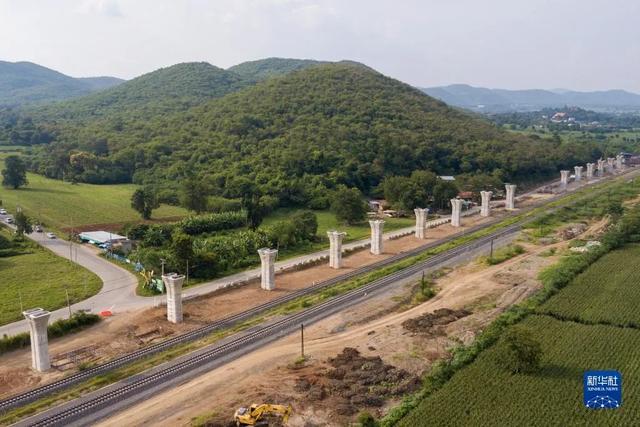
{"x":226,"y":322}
{"x":277,"y":329}
{"x":91,"y":405}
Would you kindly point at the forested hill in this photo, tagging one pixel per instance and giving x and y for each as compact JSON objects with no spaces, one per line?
{"x":269,"y":67}
{"x":28,"y":83}
{"x":169,"y":89}
{"x":296,"y":135}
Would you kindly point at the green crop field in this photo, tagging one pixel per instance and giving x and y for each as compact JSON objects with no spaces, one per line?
{"x":39,"y":279}
{"x":485,"y":394}
{"x":60,"y":204}
{"x":590,"y":324}
{"x":608,"y":292}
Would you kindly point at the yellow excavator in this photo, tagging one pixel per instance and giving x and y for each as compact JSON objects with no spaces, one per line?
{"x":255,"y":415}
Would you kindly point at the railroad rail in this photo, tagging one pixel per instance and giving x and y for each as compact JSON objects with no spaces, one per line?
{"x":276,"y":329}
{"x":64,"y":416}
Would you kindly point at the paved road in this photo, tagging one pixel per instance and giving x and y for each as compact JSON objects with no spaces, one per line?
{"x":118,"y":289}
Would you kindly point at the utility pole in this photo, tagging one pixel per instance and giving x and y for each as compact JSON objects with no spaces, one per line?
{"x":66,"y":289}
{"x":162,"y":262}
{"x":187,"y":272}
{"x":302,"y":339}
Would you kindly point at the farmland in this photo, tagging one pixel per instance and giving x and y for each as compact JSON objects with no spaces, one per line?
{"x":38,"y":278}
{"x":608,"y":292}
{"x":602,"y":300}
{"x":486,"y":394}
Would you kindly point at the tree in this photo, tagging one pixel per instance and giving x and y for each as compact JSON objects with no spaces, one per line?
{"x":144,"y":200}
{"x":14,"y":174}
{"x":256,"y":210}
{"x":23,"y":224}
{"x":306,"y":224}
{"x":182,"y":246}
{"x":443,"y":192}
{"x":520,"y":352}
{"x":193,"y":194}
{"x":348,"y":205}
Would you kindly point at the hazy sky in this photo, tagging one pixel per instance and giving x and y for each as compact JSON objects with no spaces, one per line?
{"x":576,"y":44}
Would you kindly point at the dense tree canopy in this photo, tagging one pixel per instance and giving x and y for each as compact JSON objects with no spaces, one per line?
{"x":293,"y":137}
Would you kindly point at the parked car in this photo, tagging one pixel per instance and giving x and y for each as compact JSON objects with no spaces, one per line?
{"x":50,"y":235}
{"x":9,"y":220}
{"x":3,"y":211}
{"x":38,"y":229}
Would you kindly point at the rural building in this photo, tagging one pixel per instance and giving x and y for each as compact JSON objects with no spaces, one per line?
{"x":101,"y":237}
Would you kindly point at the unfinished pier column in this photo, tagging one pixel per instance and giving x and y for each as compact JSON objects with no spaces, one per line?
{"x":456,"y":210}
{"x":268,"y":268}
{"x":619,"y":159}
{"x":485,"y":207}
{"x":601,"y":164}
{"x":38,"y":320}
{"x":590,"y":170}
{"x":173,"y":283}
{"x":335,"y":248}
{"x":611,"y":163}
{"x":578,"y":173}
{"x":564,"y":178}
{"x":510,"y":202}
{"x":421,"y":222}
{"x":377,"y":225}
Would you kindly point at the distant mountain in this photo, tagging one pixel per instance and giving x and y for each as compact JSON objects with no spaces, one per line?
{"x":28,"y":83}
{"x":502,"y":100}
{"x":269,"y":67}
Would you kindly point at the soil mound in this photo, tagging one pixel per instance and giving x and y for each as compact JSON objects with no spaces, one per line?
{"x":432,"y":323}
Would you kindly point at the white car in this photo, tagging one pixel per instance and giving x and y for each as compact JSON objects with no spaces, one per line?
{"x":9,"y":220}
{"x":50,"y":235}
{"x":3,"y":211}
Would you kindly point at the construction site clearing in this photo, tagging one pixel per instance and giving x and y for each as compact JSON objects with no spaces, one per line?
{"x":382,"y":347}
{"x":128,"y":331}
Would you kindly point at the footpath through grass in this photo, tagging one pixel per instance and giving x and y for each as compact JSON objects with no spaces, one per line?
{"x":38,"y":278}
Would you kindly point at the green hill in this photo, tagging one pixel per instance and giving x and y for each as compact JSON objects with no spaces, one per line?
{"x":28,"y":83}
{"x":169,"y":89}
{"x":296,"y":135}
{"x":262,"y":69}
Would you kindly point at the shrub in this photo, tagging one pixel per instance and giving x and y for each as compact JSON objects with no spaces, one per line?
{"x":365,"y":419}
{"x":61,"y":327}
{"x":213,"y":222}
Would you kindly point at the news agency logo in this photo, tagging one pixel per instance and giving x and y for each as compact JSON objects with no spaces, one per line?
{"x":602,"y":389}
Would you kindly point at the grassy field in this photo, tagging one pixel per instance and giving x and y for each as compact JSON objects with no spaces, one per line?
{"x":608,"y":292}
{"x":484,"y":393}
{"x":60,"y":204}
{"x":327,"y":221}
{"x":39,"y":279}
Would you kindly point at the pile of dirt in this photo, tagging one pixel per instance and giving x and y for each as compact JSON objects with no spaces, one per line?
{"x":572,"y":231}
{"x":356,"y":382}
{"x":432,"y":323}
